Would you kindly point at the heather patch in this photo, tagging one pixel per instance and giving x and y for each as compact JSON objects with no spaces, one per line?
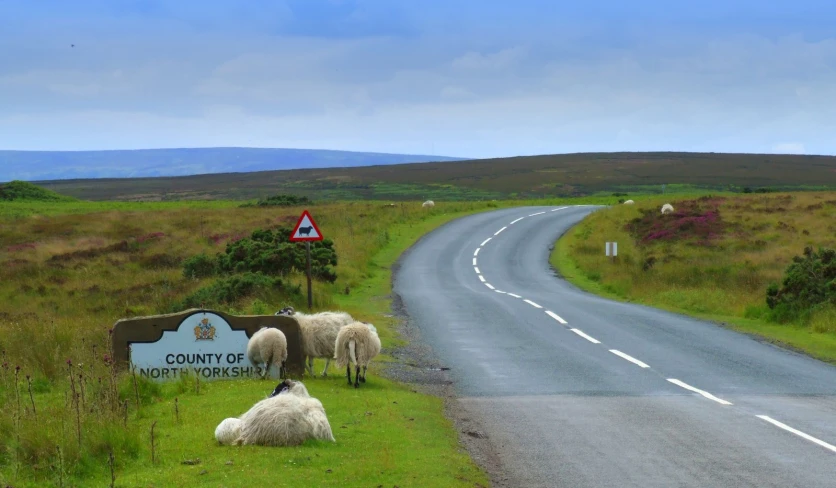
{"x":696,"y":220}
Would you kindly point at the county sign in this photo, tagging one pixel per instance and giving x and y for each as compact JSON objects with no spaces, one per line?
{"x":207,"y":343}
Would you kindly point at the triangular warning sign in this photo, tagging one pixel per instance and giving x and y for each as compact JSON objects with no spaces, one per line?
{"x":306,"y":229}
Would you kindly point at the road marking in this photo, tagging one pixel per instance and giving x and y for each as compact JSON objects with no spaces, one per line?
{"x":476,"y":252}
{"x":798,"y":432}
{"x":477,"y":270}
{"x":701,"y":392}
{"x":555,"y":316}
{"x":486,"y":241}
{"x":482,"y":278}
{"x":514,"y":222}
{"x":490,"y":286}
{"x":532,"y":303}
{"x":561,"y":208}
{"x":628,"y":358}
{"x":538,"y":213}
{"x":515,"y":296}
{"x":474,"y":261}
{"x":500,"y":292}
{"x":500,"y":230}
{"x":590,"y":339}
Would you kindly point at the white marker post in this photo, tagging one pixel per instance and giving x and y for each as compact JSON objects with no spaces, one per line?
{"x":612,"y":250}
{"x":306,"y":231}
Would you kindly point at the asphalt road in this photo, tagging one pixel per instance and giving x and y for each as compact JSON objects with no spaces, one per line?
{"x":575,"y":390}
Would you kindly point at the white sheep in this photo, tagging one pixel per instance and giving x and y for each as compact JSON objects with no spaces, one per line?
{"x":359,"y":344}
{"x":268,"y":346}
{"x":228,"y":430}
{"x":428,"y":203}
{"x":629,"y":202}
{"x":667,"y":208}
{"x":319,"y":334}
{"x":287,"y":418}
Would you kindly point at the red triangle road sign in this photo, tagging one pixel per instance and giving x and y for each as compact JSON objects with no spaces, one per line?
{"x":306,"y":229}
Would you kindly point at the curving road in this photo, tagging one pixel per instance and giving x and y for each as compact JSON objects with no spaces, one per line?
{"x":575,"y":390}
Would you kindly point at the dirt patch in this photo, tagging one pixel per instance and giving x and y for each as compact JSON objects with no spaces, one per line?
{"x":416,"y":364}
{"x":121,"y":246}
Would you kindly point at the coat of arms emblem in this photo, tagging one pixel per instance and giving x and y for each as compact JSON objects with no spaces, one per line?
{"x":204,"y":331}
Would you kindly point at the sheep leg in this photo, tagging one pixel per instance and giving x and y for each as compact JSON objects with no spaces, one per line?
{"x":363,"y":378}
{"x":310,"y":366}
{"x":325,"y":371}
{"x":357,"y":376}
{"x":348,"y":373}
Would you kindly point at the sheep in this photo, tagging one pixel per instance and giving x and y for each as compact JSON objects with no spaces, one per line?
{"x":428,"y":203}
{"x":667,"y":208}
{"x":228,"y":431}
{"x":629,"y":202}
{"x":359,"y":344}
{"x":287,"y":418}
{"x":319,"y":334}
{"x":268,"y":346}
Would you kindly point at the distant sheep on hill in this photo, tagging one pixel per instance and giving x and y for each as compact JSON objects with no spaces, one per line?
{"x":428,"y":203}
{"x":357,"y":344}
{"x":629,"y":202}
{"x":667,"y":208}
{"x":319,"y":334}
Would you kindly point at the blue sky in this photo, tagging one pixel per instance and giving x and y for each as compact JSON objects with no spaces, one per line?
{"x":458,"y":78}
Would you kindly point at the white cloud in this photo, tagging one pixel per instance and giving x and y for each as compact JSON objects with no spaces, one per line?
{"x":789,"y":148}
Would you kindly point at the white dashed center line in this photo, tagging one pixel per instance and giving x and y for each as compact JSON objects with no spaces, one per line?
{"x":490,"y":286}
{"x":476,"y":252}
{"x":486,"y":241}
{"x":629,"y":358}
{"x":538,"y":213}
{"x":532,"y":303}
{"x":500,"y":292}
{"x":500,"y":230}
{"x":555,"y":316}
{"x":474,"y":261}
{"x":482,"y":278}
{"x":555,"y":210}
{"x":798,"y":432}
{"x":477,"y":270}
{"x":514,"y":222}
{"x":590,"y":339}
{"x":513,"y":295}
{"x":697,"y":390}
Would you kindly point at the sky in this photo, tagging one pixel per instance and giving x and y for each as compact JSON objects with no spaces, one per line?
{"x":459,"y":78}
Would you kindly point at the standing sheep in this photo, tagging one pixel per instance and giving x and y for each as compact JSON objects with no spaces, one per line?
{"x":428,"y":203}
{"x":359,"y":344}
{"x":629,"y":202}
{"x":667,"y":208}
{"x":287,"y":418}
{"x":319,"y":334}
{"x":268,"y":346}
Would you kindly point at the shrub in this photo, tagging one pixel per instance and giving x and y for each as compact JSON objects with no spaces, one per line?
{"x":280,"y":201}
{"x":809,"y":282}
{"x":200,"y":266}
{"x":229,"y":290}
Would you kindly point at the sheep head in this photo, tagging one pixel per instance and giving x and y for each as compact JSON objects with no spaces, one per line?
{"x":286,"y":311}
{"x":282,"y":387}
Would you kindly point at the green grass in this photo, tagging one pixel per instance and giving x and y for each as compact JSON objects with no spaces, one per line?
{"x":724,"y":282}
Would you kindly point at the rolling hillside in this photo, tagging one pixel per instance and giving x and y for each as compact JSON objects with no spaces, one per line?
{"x":530,"y":176}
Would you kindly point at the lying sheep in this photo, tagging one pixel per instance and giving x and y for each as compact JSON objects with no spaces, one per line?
{"x":228,"y":431}
{"x":629,"y":202}
{"x":359,"y":344}
{"x":268,"y":346}
{"x":319,"y":334}
{"x":667,"y":208}
{"x":428,"y":203}
{"x":288,"y":417}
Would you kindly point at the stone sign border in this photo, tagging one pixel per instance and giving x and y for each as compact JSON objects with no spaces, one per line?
{"x":150,"y":329}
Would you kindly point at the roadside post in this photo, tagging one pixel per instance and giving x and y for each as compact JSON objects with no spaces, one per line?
{"x":306,"y":231}
{"x":612,"y":250}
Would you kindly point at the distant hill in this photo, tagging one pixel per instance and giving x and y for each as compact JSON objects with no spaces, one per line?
{"x":22,"y":190}
{"x":62,"y":165}
{"x":520,"y":177}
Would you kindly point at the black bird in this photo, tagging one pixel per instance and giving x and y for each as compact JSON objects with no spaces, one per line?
{"x":72,"y":45}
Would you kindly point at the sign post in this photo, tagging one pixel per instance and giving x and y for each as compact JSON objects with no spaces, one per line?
{"x":612,"y":250}
{"x":306,"y":231}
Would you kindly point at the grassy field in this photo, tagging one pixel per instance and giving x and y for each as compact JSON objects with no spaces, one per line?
{"x":503,"y":178}
{"x":70,"y":270}
{"x":714,"y":262}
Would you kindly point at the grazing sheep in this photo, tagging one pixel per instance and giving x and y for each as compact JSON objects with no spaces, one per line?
{"x":228,"y":430}
{"x":319,"y":333}
{"x":667,"y":208}
{"x":359,"y":344}
{"x":428,"y":203}
{"x":268,"y":346}
{"x":287,"y":418}
{"x":629,"y":202}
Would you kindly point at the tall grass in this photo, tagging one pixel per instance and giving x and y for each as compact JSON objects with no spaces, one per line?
{"x":725,"y":277}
